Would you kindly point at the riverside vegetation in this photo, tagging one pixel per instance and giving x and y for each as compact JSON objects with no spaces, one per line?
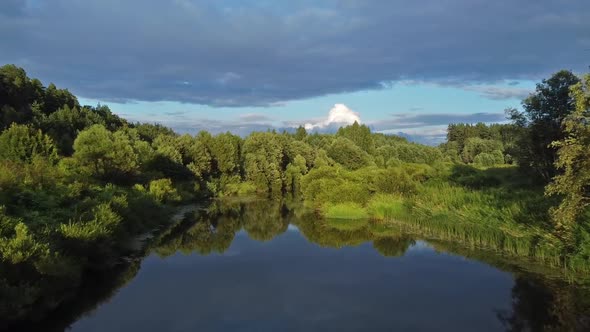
{"x":79,"y":184}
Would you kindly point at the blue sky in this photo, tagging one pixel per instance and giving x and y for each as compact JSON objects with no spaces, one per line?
{"x":398,"y":66}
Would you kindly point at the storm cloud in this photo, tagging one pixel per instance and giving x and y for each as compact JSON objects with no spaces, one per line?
{"x":261,"y":52}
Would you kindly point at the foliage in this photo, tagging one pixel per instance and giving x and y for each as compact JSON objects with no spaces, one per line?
{"x":23,"y":143}
{"x":540,"y":123}
{"x":345,"y":152}
{"x":163,"y":190}
{"x":475,"y":146}
{"x":360,"y":135}
{"x":574,"y":160}
{"x":488,"y":159}
{"x":265,"y":161}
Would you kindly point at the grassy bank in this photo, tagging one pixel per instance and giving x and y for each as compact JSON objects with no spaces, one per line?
{"x":491,"y":209}
{"x":491,"y":220}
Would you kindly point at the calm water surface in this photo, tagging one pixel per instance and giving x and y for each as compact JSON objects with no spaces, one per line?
{"x":259,"y":267}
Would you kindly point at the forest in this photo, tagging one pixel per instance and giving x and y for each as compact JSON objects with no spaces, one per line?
{"x":78,"y":183}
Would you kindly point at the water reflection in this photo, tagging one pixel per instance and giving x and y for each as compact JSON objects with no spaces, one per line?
{"x":291,"y":284}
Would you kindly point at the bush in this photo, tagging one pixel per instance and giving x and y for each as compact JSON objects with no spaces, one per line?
{"x":105,"y":221}
{"x":334,"y":185}
{"x":394,"y":181}
{"x":489,"y":159}
{"x":20,"y":247}
{"x":163,"y":191}
{"x":239,"y":189}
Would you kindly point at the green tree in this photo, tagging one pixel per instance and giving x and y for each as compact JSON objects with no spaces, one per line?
{"x":109,"y":156}
{"x":265,"y":160}
{"x":148,"y":132}
{"x":302,"y":149}
{"x":16,"y":96}
{"x":360,"y":135}
{"x":416,"y":153}
{"x":475,"y":146}
{"x":295,"y":170}
{"x":540,"y":123}
{"x":348,"y":154}
{"x":22,"y":143}
{"x":226,"y":152}
{"x":574,"y":160}
{"x":300,"y":133}
{"x":66,"y":123}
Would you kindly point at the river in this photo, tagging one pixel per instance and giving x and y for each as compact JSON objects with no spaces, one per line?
{"x":264,"y":266}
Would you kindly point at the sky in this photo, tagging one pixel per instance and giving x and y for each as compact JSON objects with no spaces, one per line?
{"x":398,"y":66}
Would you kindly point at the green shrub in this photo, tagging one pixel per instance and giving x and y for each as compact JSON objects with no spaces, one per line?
{"x":105,"y":222}
{"x":21,"y":246}
{"x":394,"y":181}
{"x":334,"y":185}
{"x":86,"y":231}
{"x":239,"y":189}
{"x":489,"y":159}
{"x":23,"y":143}
{"x":163,"y":191}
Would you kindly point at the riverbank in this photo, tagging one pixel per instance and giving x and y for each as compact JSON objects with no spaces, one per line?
{"x":482,"y":208}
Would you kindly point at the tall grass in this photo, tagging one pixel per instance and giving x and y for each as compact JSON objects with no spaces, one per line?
{"x":344,"y":211}
{"x":384,"y":206}
{"x":477,"y":219}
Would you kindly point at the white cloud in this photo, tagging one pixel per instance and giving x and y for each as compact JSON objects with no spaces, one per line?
{"x":340,"y":114}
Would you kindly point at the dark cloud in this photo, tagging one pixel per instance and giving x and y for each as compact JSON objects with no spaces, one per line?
{"x":260,"y":52}
{"x":416,"y":120}
{"x":11,"y":8}
{"x":500,"y":93}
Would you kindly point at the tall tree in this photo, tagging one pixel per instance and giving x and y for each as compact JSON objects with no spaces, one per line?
{"x":360,"y":135}
{"x":574,"y":159}
{"x":265,"y":160}
{"x":541,"y":121}
{"x":300,"y":133}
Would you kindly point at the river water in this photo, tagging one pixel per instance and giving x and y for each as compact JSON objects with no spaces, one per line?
{"x":263,"y":267}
